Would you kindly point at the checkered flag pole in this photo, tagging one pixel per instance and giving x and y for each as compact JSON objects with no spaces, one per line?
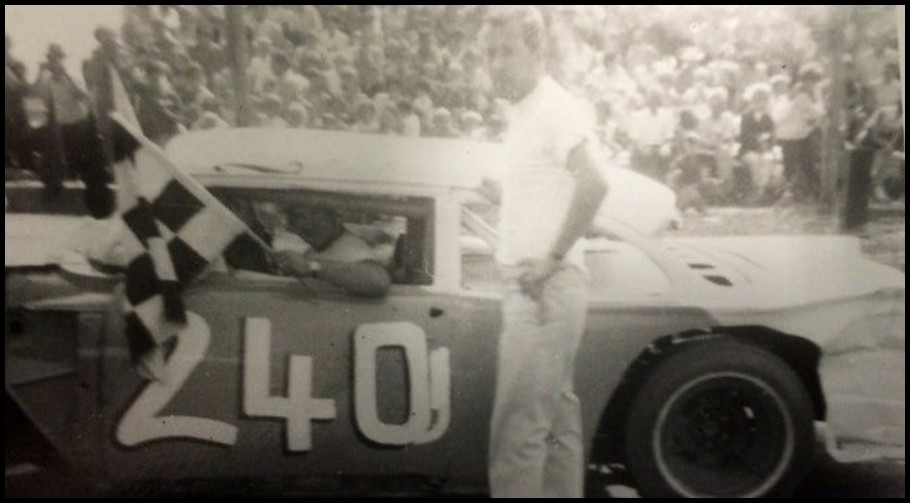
{"x":174,"y":229}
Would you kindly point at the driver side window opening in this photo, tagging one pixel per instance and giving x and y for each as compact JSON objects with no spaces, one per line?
{"x":398,"y":229}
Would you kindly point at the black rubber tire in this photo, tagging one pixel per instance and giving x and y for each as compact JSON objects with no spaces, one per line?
{"x":671,"y":391}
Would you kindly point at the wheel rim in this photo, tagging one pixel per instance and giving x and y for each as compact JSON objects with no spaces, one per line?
{"x":724,"y":434}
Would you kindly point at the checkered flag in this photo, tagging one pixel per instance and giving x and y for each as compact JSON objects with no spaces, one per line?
{"x":174,"y":229}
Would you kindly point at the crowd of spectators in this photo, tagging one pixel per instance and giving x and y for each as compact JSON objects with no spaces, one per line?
{"x":734,"y":98}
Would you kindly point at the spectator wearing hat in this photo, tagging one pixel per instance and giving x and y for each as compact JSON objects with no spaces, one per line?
{"x":208,"y":52}
{"x":797,"y":123}
{"x":719,"y":131}
{"x":327,"y":81}
{"x":390,"y":121}
{"x":70,"y":142}
{"x":167,"y":47}
{"x":298,"y":115}
{"x":350,"y":83}
{"x":794,"y":116}
{"x":309,"y":20}
{"x":608,"y":129}
{"x":756,"y":138}
{"x":17,"y":153}
{"x":880,"y":139}
{"x":652,"y":130}
{"x":472,"y":125}
{"x":756,"y":73}
{"x":443,"y":125}
{"x":887,"y":91}
{"x":478,"y":100}
{"x":96,"y":72}
{"x":476,"y":77}
{"x":370,"y":62}
{"x":453,"y":92}
{"x":158,"y":107}
{"x":137,"y":27}
{"x":262,"y":27}
{"x":333,"y":38}
{"x":289,"y":84}
{"x":367,"y":117}
{"x":68,"y":115}
{"x":270,"y":116}
{"x":411,"y":126}
{"x":210,"y":116}
{"x":330,"y":122}
{"x":612,"y":81}
{"x":872,"y":60}
{"x":109,"y":57}
{"x":192,"y":89}
{"x":429,"y":50}
{"x":259,"y":70}
{"x":170,"y":18}
{"x":423,"y":103}
{"x":210,"y":120}
{"x":780,"y":95}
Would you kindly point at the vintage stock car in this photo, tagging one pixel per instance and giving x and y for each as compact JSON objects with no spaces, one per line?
{"x":707,"y":366}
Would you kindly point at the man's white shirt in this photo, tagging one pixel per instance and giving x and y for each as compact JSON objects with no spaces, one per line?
{"x":538,"y":185}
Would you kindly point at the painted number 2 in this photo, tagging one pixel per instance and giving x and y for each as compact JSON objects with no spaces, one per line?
{"x":142,"y":424}
{"x":429,"y":390}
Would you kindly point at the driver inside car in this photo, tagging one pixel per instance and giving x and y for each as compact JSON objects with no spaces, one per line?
{"x":335,"y":254}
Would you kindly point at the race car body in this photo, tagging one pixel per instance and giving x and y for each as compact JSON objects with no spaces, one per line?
{"x":704,"y":365}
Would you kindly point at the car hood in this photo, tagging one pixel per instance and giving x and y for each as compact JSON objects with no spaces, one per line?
{"x":774,"y":271}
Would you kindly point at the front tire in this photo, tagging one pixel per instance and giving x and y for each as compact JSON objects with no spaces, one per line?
{"x":720,"y":419}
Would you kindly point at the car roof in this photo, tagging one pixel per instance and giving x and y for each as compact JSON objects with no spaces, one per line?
{"x":339,"y":157}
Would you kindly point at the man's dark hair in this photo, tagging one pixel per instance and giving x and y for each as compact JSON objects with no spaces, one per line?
{"x":528,"y":18}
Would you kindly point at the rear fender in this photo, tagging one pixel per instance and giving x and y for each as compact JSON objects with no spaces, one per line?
{"x":53,"y":373}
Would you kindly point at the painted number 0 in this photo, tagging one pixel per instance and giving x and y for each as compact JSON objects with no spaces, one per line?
{"x":429,"y":387}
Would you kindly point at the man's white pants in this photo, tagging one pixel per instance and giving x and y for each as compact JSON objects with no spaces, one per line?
{"x":536,"y":447}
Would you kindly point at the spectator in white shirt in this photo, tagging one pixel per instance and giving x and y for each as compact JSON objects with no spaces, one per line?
{"x":290,"y":84}
{"x":887,"y":91}
{"x":796,"y":122}
{"x":719,"y":130}
{"x":259,"y":70}
{"x":652,"y":130}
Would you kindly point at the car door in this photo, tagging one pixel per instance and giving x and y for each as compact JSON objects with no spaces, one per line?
{"x":278,"y":377}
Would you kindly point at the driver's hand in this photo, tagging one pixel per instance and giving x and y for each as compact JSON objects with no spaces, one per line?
{"x":291,"y":263}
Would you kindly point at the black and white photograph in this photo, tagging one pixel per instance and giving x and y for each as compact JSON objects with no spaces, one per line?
{"x":486,"y":251}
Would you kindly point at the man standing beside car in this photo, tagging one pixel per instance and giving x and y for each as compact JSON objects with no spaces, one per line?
{"x":550,"y":195}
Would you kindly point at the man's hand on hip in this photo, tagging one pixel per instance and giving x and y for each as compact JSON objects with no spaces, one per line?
{"x":535,"y":273}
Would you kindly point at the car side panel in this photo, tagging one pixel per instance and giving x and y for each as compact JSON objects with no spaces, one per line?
{"x":319,"y":323}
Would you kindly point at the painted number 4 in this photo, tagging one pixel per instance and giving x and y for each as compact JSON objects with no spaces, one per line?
{"x":299,"y":408}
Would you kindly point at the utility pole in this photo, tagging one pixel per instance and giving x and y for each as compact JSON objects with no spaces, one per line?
{"x":238,"y":54}
{"x":900,"y":10}
{"x":833,"y":154}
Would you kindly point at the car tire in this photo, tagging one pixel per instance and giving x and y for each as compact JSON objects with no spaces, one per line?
{"x":720,"y":419}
